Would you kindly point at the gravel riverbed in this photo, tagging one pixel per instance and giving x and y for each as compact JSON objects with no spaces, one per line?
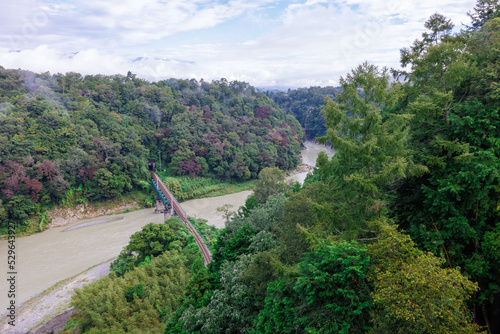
{"x":47,"y":305}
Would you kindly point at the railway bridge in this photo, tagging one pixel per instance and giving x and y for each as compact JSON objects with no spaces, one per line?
{"x":172,"y":207}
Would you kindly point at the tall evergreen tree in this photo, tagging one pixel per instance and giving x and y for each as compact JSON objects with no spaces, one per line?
{"x":452,"y":91}
{"x":484,"y":11}
{"x":372,"y":150}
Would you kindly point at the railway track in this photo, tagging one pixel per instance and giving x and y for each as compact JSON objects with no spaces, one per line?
{"x":158,"y":183}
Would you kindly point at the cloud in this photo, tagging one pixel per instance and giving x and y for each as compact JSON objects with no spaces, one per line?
{"x":138,"y":22}
{"x":294,"y":43}
{"x":108,"y":24}
{"x":44,"y":58}
{"x":13,"y":14}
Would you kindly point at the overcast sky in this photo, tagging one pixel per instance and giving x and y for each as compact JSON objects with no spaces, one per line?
{"x":266,"y":43}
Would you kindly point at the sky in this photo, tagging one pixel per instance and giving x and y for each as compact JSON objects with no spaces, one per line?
{"x":266,"y":43}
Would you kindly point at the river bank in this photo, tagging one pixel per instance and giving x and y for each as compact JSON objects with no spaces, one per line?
{"x":51,"y":303}
{"x":198,"y":207}
{"x":64,"y":216}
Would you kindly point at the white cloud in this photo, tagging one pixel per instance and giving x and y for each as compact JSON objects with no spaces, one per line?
{"x":111,"y":23}
{"x":44,"y":58}
{"x":139,"y":22}
{"x":310,"y":42}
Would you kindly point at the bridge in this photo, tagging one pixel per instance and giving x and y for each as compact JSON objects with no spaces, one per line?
{"x":172,"y":207}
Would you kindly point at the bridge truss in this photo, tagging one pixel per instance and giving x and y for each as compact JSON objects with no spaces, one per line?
{"x":172,"y":206}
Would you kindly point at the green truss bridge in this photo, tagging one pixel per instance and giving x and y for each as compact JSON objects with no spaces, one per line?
{"x":172,"y":207}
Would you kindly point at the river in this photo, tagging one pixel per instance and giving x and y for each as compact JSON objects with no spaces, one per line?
{"x":46,"y":258}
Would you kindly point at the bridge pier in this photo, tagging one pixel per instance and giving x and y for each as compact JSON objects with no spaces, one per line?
{"x":159,"y":206}
{"x":168,"y":212}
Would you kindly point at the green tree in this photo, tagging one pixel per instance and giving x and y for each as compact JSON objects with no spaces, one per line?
{"x":452,"y":211}
{"x":413,"y":293}
{"x":334,"y":289}
{"x":230,"y":309}
{"x":438,"y":26}
{"x":108,"y":184}
{"x":151,"y":241}
{"x":135,"y":302}
{"x":439,"y":65}
{"x":483,"y":46}
{"x":250,"y":203}
{"x":271,"y":181}
{"x":371,"y":150}
{"x":330,"y":293}
{"x":279,"y":312}
{"x":229,"y":248}
{"x":196,"y":295}
{"x":484,"y":11}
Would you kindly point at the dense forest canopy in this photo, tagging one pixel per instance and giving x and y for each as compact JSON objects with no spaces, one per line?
{"x":67,"y":133}
{"x":306,"y":104}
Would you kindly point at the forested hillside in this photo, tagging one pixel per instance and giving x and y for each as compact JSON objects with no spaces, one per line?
{"x":87,"y":138}
{"x":306,"y":104}
{"x":397,"y":233}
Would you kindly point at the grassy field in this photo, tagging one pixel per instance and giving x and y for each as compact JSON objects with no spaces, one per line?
{"x":190,"y":187}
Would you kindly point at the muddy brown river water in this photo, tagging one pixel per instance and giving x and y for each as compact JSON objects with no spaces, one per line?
{"x":46,"y":258}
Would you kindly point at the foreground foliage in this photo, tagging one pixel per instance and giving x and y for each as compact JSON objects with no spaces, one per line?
{"x":153,"y":240}
{"x":331,"y":294}
{"x":147,"y":281}
{"x":139,"y":301}
{"x":452,"y":211}
{"x":412,"y":293}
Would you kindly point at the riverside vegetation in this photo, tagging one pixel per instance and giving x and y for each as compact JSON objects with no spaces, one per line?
{"x":397,"y":233}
